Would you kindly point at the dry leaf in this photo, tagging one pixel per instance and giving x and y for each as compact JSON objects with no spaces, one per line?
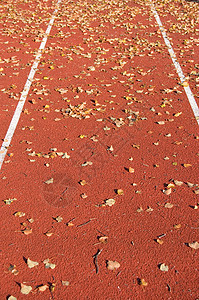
{"x":19,"y":214}
{"x":164,"y":268}
{"x":83,"y":182}
{"x":11,"y":298}
{"x":65,"y":283}
{"x":59,"y":219}
{"x":49,"y":181}
{"x":194,"y":245}
{"x":131,"y":170}
{"x":178,"y":183}
{"x":110,"y":202}
{"x":48,"y":233}
{"x":167,"y":192}
{"x":31,"y":264}
{"x":161,"y":122}
{"x":177,"y":226}
{"x":43,"y":288}
{"x":25,"y":289}
{"x":48,"y":264}
{"x":27,"y":231}
{"x":168,"y":205}
{"x":9,"y":201}
{"x":103,"y":239}
{"x":159,"y":241}
{"x":142,"y":282}
{"x":112,"y":265}
{"x":186,"y":165}
{"x":120,"y":192}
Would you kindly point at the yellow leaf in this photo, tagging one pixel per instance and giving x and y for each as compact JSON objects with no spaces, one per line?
{"x":120,"y":192}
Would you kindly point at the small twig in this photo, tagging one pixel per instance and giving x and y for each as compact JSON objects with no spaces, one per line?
{"x":95,"y":260}
{"x":84,"y":223}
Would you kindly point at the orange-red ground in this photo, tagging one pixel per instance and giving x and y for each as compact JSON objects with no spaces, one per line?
{"x":106,"y":93}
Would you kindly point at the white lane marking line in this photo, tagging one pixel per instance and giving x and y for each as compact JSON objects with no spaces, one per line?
{"x":18,"y":110}
{"x":187,"y":89}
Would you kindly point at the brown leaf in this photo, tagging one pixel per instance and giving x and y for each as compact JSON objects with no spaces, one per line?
{"x":120,"y":192}
{"x":142,"y":282}
{"x":194,"y":245}
{"x":103,"y":239}
{"x":112,"y":265}
{"x":25,"y":289}
{"x":31,"y":264}
{"x":168,"y":205}
{"x":164,"y":268}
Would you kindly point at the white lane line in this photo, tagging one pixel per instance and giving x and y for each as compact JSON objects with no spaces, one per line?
{"x":187,"y":89}
{"x":24,"y":94}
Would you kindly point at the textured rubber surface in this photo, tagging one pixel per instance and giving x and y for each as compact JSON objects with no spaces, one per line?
{"x":105,"y":98}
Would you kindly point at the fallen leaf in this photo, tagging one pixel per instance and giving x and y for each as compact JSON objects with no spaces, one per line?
{"x":109,"y":202}
{"x":59,"y":219}
{"x":120,"y":192}
{"x":112,"y":265}
{"x":167,"y":192}
{"x":159,"y":241}
{"x":9,"y":201}
{"x":48,"y":264}
{"x":31,"y":264}
{"x":186,"y":165}
{"x":19,"y":214}
{"x":25,"y":289}
{"x":178,"y":183}
{"x":164,"y":268}
{"x":177,"y":226}
{"x":65,"y":283}
{"x":11,"y":298}
{"x":49,"y":181}
{"x":103,"y":239}
{"x":27,"y":231}
{"x":83,"y":182}
{"x":142,"y":282}
{"x":168,"y":205}
{"x":194,"y":245}
{"x":43,"y":288}
{"x":131,"y":170}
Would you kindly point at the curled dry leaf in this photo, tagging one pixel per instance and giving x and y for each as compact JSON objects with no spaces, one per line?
{"x":25,"y":289}
{"x":178,"y":183}
{"x":9,"y":201}
{"x":65,"y":283}
{"x":168,"y":205}
{"x":142,"y":282}
{"x":31,"y":264}
{"x":177,"y":226}
{"x":83,"y":182}
{"x":112,"y":265}
{"x":159,"y":241}
{"x":131,"y":170}
{"x":167,"y":192}
{"x":103,"y":239}
{"x":194,"y":245}
{"x":59,"y":219}
{"x":43,"y":288}
{"x":186,"y":165}
{"x":164,"y":268}
{"x":19,"y":214}
{"x":109,"y":202}
{"x":49,"y":181}
{"x":120,"y":192}
{"x":48,"y":264}
{"x":27,"y":231}
{"x":48,"y":233}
